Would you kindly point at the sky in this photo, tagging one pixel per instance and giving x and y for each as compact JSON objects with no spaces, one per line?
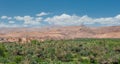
{"x":39,"y":13}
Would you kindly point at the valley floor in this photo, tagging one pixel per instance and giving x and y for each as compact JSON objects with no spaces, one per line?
{"x":76,"y":51}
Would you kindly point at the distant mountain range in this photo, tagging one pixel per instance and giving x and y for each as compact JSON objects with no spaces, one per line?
{"x":56,"y":33}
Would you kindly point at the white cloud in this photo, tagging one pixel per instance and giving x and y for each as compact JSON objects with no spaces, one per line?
{"x":29,"y":20}
{"x":3,"y":17}
{"x":19,"y":18}
{"x":9,"y":18}
{"x":11,"y":22}
{"x":61,"y":20}
{"x":6,"y":17}
{"x":8,"y":26}
{"x":38,"y":19}
{"x":66,"y":19}
{"x":117,"y":17}
{"x":42,"y":14}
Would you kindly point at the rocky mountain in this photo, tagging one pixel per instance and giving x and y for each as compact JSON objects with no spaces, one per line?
{"x":69,"y":32}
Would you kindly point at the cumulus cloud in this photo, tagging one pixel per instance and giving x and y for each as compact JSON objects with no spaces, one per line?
{"x":19,"y":18}
{"x":29,"y":20}
{"x":39,"y":19}
{"x":60,"y":20}
{"x":8,"y":25}
{"x":6,"y":17}
{"x":42,"y":14}
{"x":11,"y":22}
{"x":3,"y":17}
{"x":66,"y":19}
{"x":117,"y":17}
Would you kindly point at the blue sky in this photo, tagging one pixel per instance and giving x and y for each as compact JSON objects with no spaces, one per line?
{"x":19,"y":13}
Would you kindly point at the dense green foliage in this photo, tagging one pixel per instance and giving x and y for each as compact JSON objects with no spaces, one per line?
{"x":77,"y":51}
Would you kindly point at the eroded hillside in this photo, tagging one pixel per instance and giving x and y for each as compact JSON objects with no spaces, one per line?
{"x":71,"y":32}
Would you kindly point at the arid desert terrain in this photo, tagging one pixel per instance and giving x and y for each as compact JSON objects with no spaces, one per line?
{"x":56,"y":33}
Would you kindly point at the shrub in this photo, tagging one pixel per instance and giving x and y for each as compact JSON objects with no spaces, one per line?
{"x":2,"y":51}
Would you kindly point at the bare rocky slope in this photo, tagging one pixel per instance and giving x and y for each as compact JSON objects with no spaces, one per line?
{"x":69,"y":32}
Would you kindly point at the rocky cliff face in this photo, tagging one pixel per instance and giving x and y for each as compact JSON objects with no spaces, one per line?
{"x":27,"y":34}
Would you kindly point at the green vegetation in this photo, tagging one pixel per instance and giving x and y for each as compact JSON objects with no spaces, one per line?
{"x":77,"y":51}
